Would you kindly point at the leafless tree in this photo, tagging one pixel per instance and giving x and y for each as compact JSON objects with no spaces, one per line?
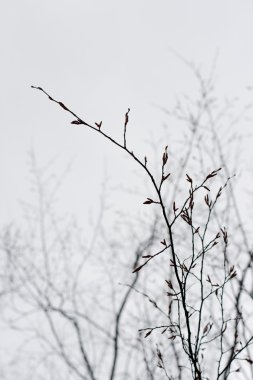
{"x":64,"y":292}
{"x":198,"y":288}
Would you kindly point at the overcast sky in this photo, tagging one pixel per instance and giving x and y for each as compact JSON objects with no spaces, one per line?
{"x":101,"y":57}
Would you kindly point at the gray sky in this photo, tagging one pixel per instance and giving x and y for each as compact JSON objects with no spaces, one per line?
{"x":99,"y":58}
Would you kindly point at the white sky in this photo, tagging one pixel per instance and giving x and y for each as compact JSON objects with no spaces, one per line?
{"x":101,"y":57}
